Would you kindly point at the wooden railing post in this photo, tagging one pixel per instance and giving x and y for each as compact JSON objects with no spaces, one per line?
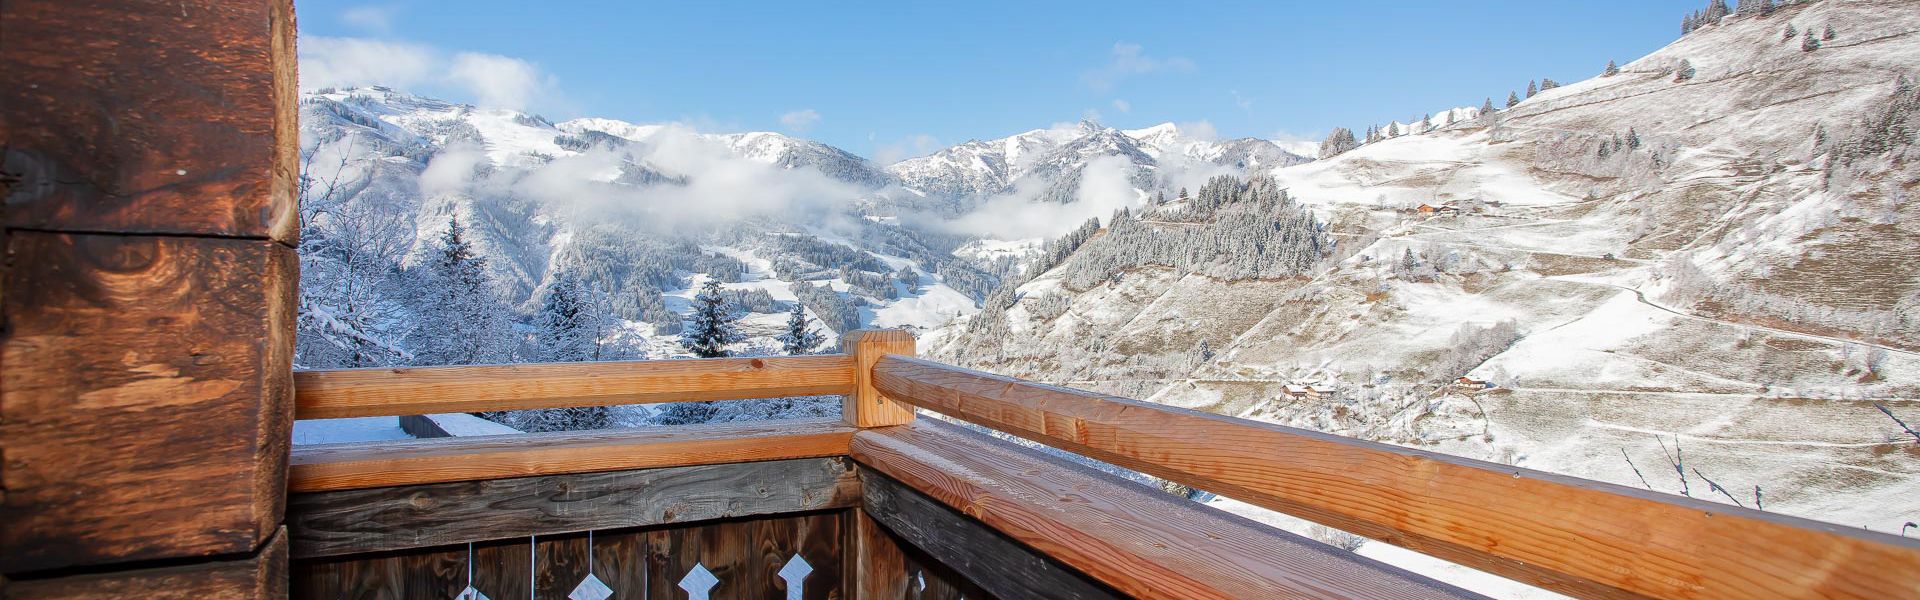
{"x":866,"y":406}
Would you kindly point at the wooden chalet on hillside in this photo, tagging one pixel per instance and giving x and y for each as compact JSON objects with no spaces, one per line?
{"x":147,"y":393}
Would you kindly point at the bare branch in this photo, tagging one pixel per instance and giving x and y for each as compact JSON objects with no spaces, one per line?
{"x":1677,"y":461}
{"x":1636,"y":470}
{"x":1903,"y":424}
{"x":1716,"y":487}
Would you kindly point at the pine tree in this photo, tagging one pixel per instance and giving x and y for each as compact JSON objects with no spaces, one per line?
{"x":1486,"y":107}
{"x":1808,"y":43}
{"x":1716,"y":9}
{"x":1828,"y":35}
{"x":1548,"y":83}
{"x":1338,"y":141}
{"x":565,"y":335}
{"x":1766,"y":8}
{"x":712,"y":326}
{"x":1684,"y":71}
{"x":1791,"y":32}
{"x":1612,"y":69}
{"x":1633,"y":139}
{"x":799,"y":338}
{"x":1532,"y":89}
{"x":1513,"y":99}
{"x":461,"y":321}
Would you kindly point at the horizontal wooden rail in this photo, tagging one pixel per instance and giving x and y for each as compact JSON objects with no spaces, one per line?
{"x":359,"y":465}
{"x":1135,"y":539}
{"x":425,"y":390}
{"x":1561,"y":533}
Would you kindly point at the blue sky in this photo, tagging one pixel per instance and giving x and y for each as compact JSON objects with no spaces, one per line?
{"x":889,"y":80}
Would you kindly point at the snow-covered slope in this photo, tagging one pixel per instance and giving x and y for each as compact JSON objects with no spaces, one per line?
{"x":1721,"y":262}
{"x":979,"y":169}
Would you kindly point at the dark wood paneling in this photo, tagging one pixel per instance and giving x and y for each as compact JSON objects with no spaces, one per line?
{"x":150,"y":117}
{"x":262,"y":576}
{"x":1001,"y":566}
{"x":381,"y":519}
{"x":147,"y":409}
{"x":883,"y":567}
{"x":746,"y":556}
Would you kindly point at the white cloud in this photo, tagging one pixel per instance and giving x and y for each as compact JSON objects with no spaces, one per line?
{"x":498,"y":81}
{"x":1307,"y":145}
{"x":334,"y":61}
{"x":1106,"y":185}
{"x":1245,"y":103}
{"x":1122,"y":105}
{"x":918,"y":144}
{"x":1126,"y":61}
{"x":371,"y":18}
{"x":490,"y":80}
{"x":1202,"y":130}
{"x":800,"y":120}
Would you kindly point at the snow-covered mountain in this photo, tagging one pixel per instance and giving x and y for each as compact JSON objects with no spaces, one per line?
{"x":1719,"y":258}
{"x":984,"y":168}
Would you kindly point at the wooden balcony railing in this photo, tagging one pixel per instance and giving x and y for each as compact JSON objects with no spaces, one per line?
{"x":1001,"y":519}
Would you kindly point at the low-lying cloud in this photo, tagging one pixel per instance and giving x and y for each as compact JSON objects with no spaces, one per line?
{"x":490,"y":80}
{"x":1106,"y":186}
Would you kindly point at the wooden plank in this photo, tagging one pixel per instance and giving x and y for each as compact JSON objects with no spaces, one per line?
{"x":746,"y":556}
{"x":881,"y":566}
{"x":358,"y":465}
{"x":261,"y":576}
{"x":997,"y":564}
{"x":150,"y":117}
{"x":1562,"y":533}
{"x":146,"y":407}
{"x":397,"y":518}
{"x":866,"y":406}
{"x":424,"y":390}
{"x":1136,"y":539}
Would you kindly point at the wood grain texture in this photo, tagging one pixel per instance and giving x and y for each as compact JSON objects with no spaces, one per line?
{"x":351,"y":466}
{"x":1565,"y":534}
{"x":262,"y":576}
{"x":1001,"y":566}
{"x":426,"y":390}
{"x":746,"y":555}
{"x":146,"y":409}
{"x":150,"y":117}
{"x":1136,"y":539}
{"x":399,"y":518}
{"x":883,"y":567}
{"x":866,"y":406}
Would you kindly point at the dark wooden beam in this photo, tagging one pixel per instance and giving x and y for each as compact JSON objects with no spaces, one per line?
{"x":396,"y":518}
{"x":144,"y":401}
{"x":1138,"y":540}
{"x":262,"y":576}
{"x":1000,"y":566}
{"x":150,"y":117}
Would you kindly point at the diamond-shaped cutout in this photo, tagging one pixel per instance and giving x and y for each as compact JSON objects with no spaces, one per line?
{"x":470,"y":594}
{"x":795,"y":573}
{"x":699,"y":582}
{"x":591,"y":588}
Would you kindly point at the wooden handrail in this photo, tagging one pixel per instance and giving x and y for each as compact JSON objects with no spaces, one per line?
{"x":353,"y":466}
{"x":1565,"y":534}
{"x":425,"y":390}
{"x":1135,"y":539}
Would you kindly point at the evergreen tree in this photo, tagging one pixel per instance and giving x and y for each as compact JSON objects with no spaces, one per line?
{"x":1766,"y":8}
{"x":1828,"y":35}
{"x":1486,"y":108}
{"x":712,"y":326}
{"x":1513,"y":99}
{"x":461,"y":321}
{"x":1548,"y":83}
{"x":1791,"y":32}
{"x":1633,"y":139}
{"x":1684,"y":71}
{"x":1532,"y":89}
{"x":1338,"y":141}
{"x":565,"y":333}
{"x":1716,"y":9}
{"x":1808,"y":43}
{"x":799,"y":338}
{"x":1612,"y":69}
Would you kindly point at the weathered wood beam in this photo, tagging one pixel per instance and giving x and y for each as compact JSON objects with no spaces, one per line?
{"x":1566,"y":534}
{"x":150,"y":117}
{"x":880,"y":565}
{"x":411,"y":462}
{"x":990,"y":560}
{"x":144,"y":401}
{"x":865,"y":406}
{"x":262,"y":576}
{"x":398,"y":518}
{"x":424,"y":390}
{"x":1137,"y":540}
